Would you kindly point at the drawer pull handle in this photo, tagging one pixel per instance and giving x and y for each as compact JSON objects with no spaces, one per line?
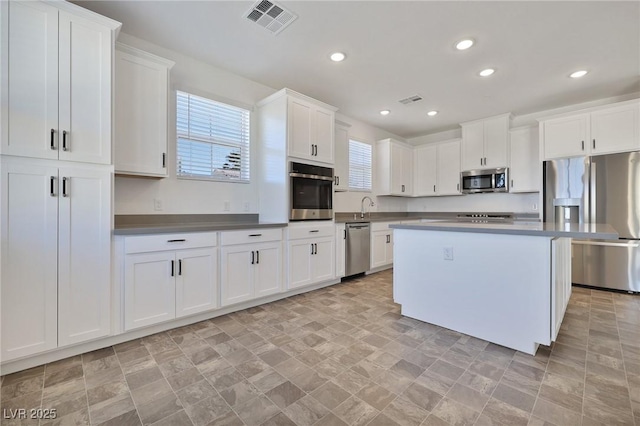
{"x":315,"y":230}
{"x":177,"y":241}
{"x":255,"y":235}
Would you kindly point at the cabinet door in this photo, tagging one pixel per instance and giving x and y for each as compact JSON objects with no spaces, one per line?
{"x":84,"y":254}
{"x":496,"y":142}
{"x":379,"y":248}
{"x":397,"y":174}
{"x":196,"y":281}
{"x":323,"y":260}
{"x":341,"y":169}
{"x":425,"y":170}
{"x":140,"y":116}
{"x":237,"y":271}
{"x":31,"y":94}
{"x":407,"y":171}
{"x":473,"y":146}
{"x":525,"y":165}
{"x":615,"y":129}
{"x":341,"y":238}
{"x":449,"y":168}
{"x":323,"y":134}
{"x":566,"y":137}
{"x":300,"y":116}
{"x":389,"y":248}
{"x":300,"y":262}
{"x":29,"y":260}
{"x":268,"y":269}
{"x":150,"y":291}
{"x":85,"y":90}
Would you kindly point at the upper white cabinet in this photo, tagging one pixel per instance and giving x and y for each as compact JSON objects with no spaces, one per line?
{"x":141,"y":108}
{"x":437,"y":169}
{"x":602,"y":130}
{"x":525,"y":163}
{"x":57,"y":90}
{"x":395,"y":168}
{"x":311,"y":130}
{"x":60,"y":218}
{"x":485,"y":143}
{"x":341,"y":168}
{"x":251,"y":264}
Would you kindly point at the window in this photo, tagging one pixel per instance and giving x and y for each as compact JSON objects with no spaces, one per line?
{"x":359,"y":166}
{"x":213,"y":139}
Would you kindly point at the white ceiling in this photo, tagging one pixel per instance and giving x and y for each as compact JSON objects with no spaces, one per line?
{"x":397,"y":49}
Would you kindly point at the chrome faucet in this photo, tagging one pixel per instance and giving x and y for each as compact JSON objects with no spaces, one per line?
{"x":371,"y":203}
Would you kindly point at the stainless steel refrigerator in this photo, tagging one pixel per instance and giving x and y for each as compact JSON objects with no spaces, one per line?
{"x":599,"y":189}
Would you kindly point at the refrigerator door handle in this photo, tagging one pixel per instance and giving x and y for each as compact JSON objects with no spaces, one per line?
{"x":593,"y":200}
{"x":606,"y":244}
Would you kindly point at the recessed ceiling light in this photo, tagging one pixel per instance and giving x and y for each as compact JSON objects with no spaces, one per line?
{"x":464,"y":44}
{"x":385,"y":112}
{"x":487,"y":72}
{"x":337,"y":56}
{"x":578,"y":74}
{"x":432,"y":113}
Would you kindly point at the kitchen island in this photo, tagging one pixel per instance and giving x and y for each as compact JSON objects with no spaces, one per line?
{"x":505,"y":283}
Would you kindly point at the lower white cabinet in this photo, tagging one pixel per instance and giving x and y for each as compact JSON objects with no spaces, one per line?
{"x":250,"y":270}
{"x":56,"y":255}
{"x":162,"y":284}
{"x":381,"y":248}
{"x":311,"y":250}
{"x":341,"y":240}
{"x":560,"y":282}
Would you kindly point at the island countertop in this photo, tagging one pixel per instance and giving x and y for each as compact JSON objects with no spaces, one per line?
{"x":601,"y":231}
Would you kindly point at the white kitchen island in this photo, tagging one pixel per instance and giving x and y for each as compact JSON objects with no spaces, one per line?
{"x":505,"y":283}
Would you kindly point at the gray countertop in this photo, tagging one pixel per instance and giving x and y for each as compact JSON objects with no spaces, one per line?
{"x":540,"y":229}
{"x":139,"y":229}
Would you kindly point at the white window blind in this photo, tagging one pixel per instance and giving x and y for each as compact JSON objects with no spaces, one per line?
{"x":213,"y":139}
{"x":359,"y":166}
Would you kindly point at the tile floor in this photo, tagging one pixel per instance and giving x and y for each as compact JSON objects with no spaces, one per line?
{"x":344,"y":356}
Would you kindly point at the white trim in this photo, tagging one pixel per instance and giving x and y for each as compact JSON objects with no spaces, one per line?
{"x":145,"y":55}
{"x":179,"y":87}
{"x":289,"y":92}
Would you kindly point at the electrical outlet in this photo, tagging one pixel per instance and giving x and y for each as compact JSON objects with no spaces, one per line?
{"x":227,"y":206}
{"x":247,"y":206}
{"x":448,"y":253}
{"x":157,"y":204}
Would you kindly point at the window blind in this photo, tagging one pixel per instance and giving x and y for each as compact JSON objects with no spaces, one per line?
{"x":359,"y":166}
{"x":213,"y":139}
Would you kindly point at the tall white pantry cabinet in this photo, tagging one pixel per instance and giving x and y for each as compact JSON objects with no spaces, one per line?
{"x":55,"y":176}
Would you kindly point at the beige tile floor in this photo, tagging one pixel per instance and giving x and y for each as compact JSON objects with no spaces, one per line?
{"x":343,"y":355}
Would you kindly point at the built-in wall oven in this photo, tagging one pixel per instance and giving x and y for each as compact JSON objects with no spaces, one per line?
{"x":311,"y":192}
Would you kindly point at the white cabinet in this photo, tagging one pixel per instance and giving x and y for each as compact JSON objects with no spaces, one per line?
{"x":341,"y":239}
{"x":437,"y":169}
{"x":140,"y":112}
{"x":341,"y":168}
{"x":395,"y":168}
{"x":58,"y":82}
{"x":560,"y":282}
{"x":485,"y":143}
{"x":251,"y":264}
{"x":381,"y":245}
{"x":602,"y":130}
{"x":525,"y":165}
{"x":310,"y":129}
{"x":168,"y":276}
{"x":60,"y":218}
{"x":311,"y":253}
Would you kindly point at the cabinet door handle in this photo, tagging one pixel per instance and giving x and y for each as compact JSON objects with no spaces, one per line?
{"x":458,"y":187}
{"x":338,"y":180}
{"x":583,"y":145}
{"x":164,"y":160}
{"x":257,"y":256}
{"x":179,"y":266}
{"x":481,"y":161}
{"x":255,"y":235}
{"x":253,"y":259}
{"x":53,"y":138}
{"x":594,"y":144}
{"x":512,"y":183}
{"x":434,"y":188}
{"x":388,"y":239}
{"x":173,"y":266}
{"x":311,"y":248}
{"x":177,"y":241}
{"x":345,"y":234}
{"x":52,"y":183}
{"x":64,"y":140}
{"x":402,"y":188}
{"x":64,"y":187}
{"x":485,"y":161}
{"x":316,"y":252}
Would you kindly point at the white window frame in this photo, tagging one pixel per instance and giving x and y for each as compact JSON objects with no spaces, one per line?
{"x":194,"y":130}
{"x":361,"y":165}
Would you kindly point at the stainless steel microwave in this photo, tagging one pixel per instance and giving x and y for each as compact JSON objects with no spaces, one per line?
{"x":488,"y":180}
{"x":311,"y":192}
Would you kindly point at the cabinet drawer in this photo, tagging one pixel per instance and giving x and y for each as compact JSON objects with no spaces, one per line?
{"x":162,"y":242}
{"x":313,"y":230}
{"x":381,"y":226}
{"x":246,"y":236}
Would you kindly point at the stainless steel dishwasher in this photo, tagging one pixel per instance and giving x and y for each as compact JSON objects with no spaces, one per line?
{"x":357,"y":248}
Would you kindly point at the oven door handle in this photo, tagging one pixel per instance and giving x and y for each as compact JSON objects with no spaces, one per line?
{"x":316,"y":177}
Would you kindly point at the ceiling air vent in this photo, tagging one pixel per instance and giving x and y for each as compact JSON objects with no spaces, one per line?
{"x":270,"y":16}
{"x":410,"y":100}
